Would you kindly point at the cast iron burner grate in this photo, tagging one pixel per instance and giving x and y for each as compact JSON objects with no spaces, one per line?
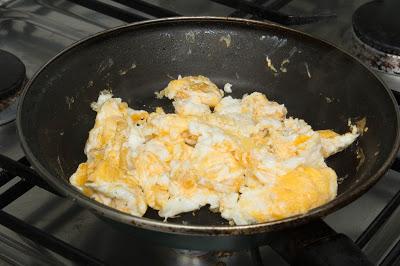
{"x":12,"y":76}
{"x":256,"y":9}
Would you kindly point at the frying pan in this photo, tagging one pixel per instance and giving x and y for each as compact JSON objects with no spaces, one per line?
{"x":322,"y":84}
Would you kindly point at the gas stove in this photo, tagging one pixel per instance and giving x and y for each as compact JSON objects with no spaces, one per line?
{"x":40,"y":228}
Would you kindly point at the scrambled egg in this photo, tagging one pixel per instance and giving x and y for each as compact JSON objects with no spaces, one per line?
{"x":242,"y":157}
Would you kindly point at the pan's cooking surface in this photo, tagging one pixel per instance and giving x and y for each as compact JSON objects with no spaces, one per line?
{"x":322,"y":85}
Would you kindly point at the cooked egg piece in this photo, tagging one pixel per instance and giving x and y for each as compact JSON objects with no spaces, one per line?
{"x":296,"y":192}
{"x":198,"y":89}
{"x":129,"y":199}
{"x":182,"y":204}
{"x":260,"y":107}
{"x":106,"y":176}
{"x":188,"y":107}
{"x":185,"y":192}
{"x":228,"y":105}
{"x":228,"y":88}
{"x":333,"y":143}
{"x":152,"y":171}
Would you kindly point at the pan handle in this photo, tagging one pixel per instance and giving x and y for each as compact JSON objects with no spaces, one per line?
{"x":26,"y":173}
{"x":317,"y":244}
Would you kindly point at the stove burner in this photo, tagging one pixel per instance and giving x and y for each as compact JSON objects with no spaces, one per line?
{"x":376,"y":38}
{"x":376,"y":24}
{"x":12,"y":78}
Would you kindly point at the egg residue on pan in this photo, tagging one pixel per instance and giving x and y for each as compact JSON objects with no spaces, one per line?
{"x":242,"y":157}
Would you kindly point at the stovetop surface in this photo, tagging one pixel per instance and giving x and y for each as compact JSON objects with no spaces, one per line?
{"x":35,"y":30}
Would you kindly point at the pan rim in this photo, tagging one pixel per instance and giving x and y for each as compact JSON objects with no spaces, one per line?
{"x":146,"y":223}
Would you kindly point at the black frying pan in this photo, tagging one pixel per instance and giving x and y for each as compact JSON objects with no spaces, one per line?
{"x":323,"y":85}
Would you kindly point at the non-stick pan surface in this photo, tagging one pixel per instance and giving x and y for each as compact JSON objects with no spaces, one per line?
{"x":322,"y":84}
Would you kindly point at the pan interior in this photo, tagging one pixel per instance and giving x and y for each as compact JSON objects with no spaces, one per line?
{"x":321,"y":85}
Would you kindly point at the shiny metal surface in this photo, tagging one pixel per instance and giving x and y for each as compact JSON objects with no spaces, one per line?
{"x":8,"y":114}
{"x":35,"y":30}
